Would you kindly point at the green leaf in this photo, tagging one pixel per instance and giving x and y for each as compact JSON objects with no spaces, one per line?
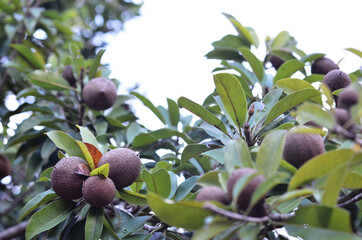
{"x":87,"y":136}
{"x":291,"y":195}
{"x":232,"y":96}
{"x":269,"y":101}
{"x":318,"y":233}
{"x":355,"y":51}
{"x":291,"y":85}
{"x":254,"y":62}
{"x":48,"y":217}
{"x":49,"y":81}
{"x":184,"y":214}
{"x":158,"y":182}
{"x":36,"y":202}
{"x":107,"y":223}
{"x":210,"y":178}
{"x":237,"y":155}
{"x":45,"y":176}
{"x":280,"y":40}
{"x":131,"y":226}
{"x":320,"y":166}
{"x":270,"y":153}
{"x":185,"y":188}
{"x":322,"y":217}
{"x":192,"y":151}
{"x":288,"y":68}
{"x":95,"y":64}
{"x":313,"y":112}
{"x":312,"y":57}
{"x":66,"y":143}
{"x":173,"y":111}
{"x":132,"y":197}
{"x":150,"y":105}
{"x":102,"y":170}
{"x":353,"y":181}
{"x":202,"y":113}
{"x":26,"y":52}
{"x":289,"y":102}
{"x":94,"y":224}
{"x":209,"y":231}
{"x":87,"y":156}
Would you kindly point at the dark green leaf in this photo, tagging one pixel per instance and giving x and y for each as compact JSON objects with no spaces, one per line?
{"x":49,"y":80}
{"x":237,"y":155}
{"x":150,"y":105}
{"x":131,"y":226}
{"x":318,"y":233}
{"x":193,"y":150}
{"x":66,"y":143}
{"x":313,"y":112}
{"x":173,"y":111}
{"x":288,"y":68}
{"x":45,"y":176}
{"x":185,"y":188}
{"x":36,"y":62}
{"x":312,"y":57}
{"x":254,"y":62}
{"x":158,"y":182}
{"x":95,"y":64}
{"x":94,"y":224}
{"x":132,"y":197}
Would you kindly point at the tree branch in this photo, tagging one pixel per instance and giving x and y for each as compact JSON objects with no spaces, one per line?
{"x":14,"y":231}
{"x":350,"y":198}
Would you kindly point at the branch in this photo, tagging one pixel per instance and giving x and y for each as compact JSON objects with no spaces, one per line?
{"x":350,"y":198}
{"x":347,"y":134}
{"x":239,"y":217}
{"x":80,"y":100}
{"x":14,"y":231}
{"x":16,"y":201}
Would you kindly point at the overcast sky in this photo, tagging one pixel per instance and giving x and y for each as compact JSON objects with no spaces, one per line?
{"x":164,"y":49}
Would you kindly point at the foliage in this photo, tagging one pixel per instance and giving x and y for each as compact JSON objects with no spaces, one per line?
{"x":243,"y":123}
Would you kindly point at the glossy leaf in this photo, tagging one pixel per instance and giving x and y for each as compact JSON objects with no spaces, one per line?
{"x":201,"y":112}
{"x":87,"y":136}
{"x":49,"y":81}
{"x":355,"y":51}
{"x":185,"y":214}
{"x":150,"y":105}
{"x":232,"y":96}
{"x":132,"y":197}
{"x":269,"y":101}
{"x":254,"y":62}
{"x":87,"y":156}
{"x":185,"y":188}
{"x":288,"y":68}
{"x":318,"y":233}
{"x":243,"y":31}
{"x":289,"y":102}
{"x":102,"y":170}
{"x":95,"y":64}
{"x":94,"y":224}
{"x":48,"y":217}
{"x":36,"y":202}
{"x":45,"y":176}
{"x":291,"y":85}
{"x":191,"y":151}
{"x":320,"y":166}
{"x":130,"y":226}
{"x":237,"y":155}
{"x":313,"y":112}
{"x":158,"y":182}
{"x":25,"y":51}
{"x":65,"y":142}
{"x":173,"y":111}
{"x":270,"y":153}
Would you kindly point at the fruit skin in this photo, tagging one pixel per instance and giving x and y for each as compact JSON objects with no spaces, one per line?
{"x":98,"y":191}
{"x":5,"y":166}
{"x":212,"y":193}
{"x":124,"y":166}
{"x":276,"y":61}
{"x":323,"y":66}
{"x":100,"y":94}
{"x":300,"y":147}
{"x":65,"y":182}
{"x":68,"y":75}
{"x":244,"y":198}
{"x":347,"y":98}
{"x":343,"y":118}
{"x":336,"y":79}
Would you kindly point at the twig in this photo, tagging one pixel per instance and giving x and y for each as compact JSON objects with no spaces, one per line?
{"x":247,"y":134}
{"x":81,"y":101}
{"x":14,"y":231}
{"x":347,"y":134}
{"x":350,"y":198}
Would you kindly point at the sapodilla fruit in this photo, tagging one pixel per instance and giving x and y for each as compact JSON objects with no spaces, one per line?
{"x":64,"y":179}
{"x":69,"y":76}
{"x":98,"y":191}
{"x":244,"y":198}
{"x":124,"y":166}
{"x":336,"y":79}
{"x":343,"y":118}
{"x":100,"y":94}
{"x":347,"y":98}
{"x":323,"y":66}
{"x":300,"y":147}
{"x":212,"y":193}
{"x":276,"y":61}
{"x":5,"y":166}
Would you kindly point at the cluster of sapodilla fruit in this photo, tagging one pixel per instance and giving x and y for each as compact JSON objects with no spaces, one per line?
{"x":298,"y":148}
{"x":70,"y":177}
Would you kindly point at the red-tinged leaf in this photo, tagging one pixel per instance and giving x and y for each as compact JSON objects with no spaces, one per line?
{"x":95,"y":153}
{"x":82,"y":169}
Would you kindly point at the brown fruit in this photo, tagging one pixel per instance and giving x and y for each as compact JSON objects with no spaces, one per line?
{"x":244,"y":198}
{"x":5,"y":166}
{"x":336,"y":79}
{"x":343,"y":118}
{"x":124,"y":166}
{"x":323,"y":66}
{"x":276,"y":61}
{"x":347,"y":98}
{"x":300,"y":147}
{"x":100,"y":94}
{"x":64,"y":179}
{"x":69,"y":75}
{"x":212,"y":193}
{"x":98,"y":191}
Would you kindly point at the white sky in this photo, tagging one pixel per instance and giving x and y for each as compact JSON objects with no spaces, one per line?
{"x":163,"y":50}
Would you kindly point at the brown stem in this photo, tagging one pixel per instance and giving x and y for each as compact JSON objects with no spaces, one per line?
{"x":80,"y":100}
{"x":350,"y":198}
{"x":247,"y":134}
{"x":14,"y":231}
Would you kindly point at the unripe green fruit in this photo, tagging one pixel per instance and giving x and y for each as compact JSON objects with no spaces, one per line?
{"x":64,"y":179}
{"x":246,"y":194}
{"x":323,"y":66}
{"x":98,"y":191}
{"x":347,"y":98}
{"x":5,"y":166}
{"x":124,"y":166}
{"x":336,"y":79}
{"x":300,"y":147}
{"x":100,"y":94}
{"x":212,"y":193}
{"x":69,"y":76}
